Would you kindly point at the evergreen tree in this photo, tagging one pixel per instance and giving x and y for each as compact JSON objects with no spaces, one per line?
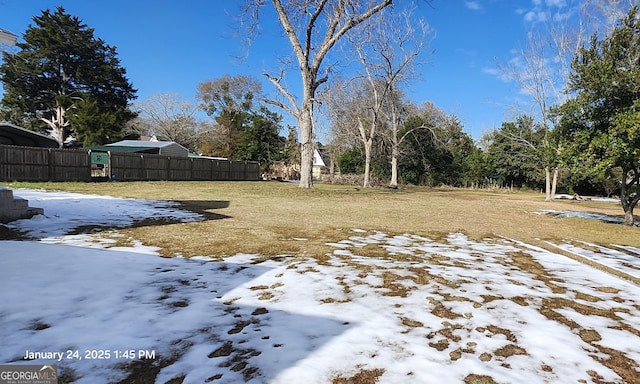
{"x":260,"y":139}
{"x":475,"y":169}
{"x":461,"y":146}
{"x":291,"y":151}
{"x":66,"y":81}
{"x":601,"y":122}
{"x":424,"y":159}
{"x":513,"y":154}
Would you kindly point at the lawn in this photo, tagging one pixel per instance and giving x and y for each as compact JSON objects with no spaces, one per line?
{"x":264,"y":217}
{"x":332,"y":285}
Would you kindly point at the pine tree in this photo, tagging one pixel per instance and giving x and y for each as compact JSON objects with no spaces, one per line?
{"x":261,"y":140}
{"x":66,"y":81}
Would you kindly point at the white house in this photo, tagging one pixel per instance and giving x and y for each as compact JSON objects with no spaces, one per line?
{"x":319,"y":164}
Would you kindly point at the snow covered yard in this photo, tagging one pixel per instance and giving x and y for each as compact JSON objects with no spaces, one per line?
{"x":396,"y":309}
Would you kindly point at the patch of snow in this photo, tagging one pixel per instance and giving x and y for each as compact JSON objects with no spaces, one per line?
{"x":623,"y":259}
{"x":429,"y":311}
{"x":563,"y":196}
{"x":65,"y":212}
{"x":583,"y":215}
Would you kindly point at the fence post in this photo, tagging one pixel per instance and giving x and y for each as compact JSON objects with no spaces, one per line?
{"x":51,"y":167}
{"x":143,"y":168}
{"x":89,"y":165}
{"x":110,"y":169}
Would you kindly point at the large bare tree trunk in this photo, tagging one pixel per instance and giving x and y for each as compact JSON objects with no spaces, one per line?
{"x":554,"y":182}
{"x":367,"y":163}
{"x":367,"y":141}
{"x":328,"y":21}
{"x":628,"y":207}
{"x":547,"y":183}
{"x":394,"y":167}
{"x":305,"y":122}
{"x":58,"y":124}
{"x":396,"y":140}
{"x":628,"y":218}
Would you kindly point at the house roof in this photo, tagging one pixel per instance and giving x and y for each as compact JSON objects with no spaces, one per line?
{"x":124,"y":148}
{"x":7,"y":37}
{"x":196,"y":156}
{"x":318,"y":161}
{"x":143,"y":144}
{"x":170,"y":148}
{"x":13,"y":135}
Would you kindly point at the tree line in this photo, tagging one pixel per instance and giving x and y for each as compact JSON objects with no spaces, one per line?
{"x":580,"y":71}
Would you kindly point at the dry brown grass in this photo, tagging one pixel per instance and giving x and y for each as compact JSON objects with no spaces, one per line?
{"x":271,"y":218}
{"x":364,"y":376}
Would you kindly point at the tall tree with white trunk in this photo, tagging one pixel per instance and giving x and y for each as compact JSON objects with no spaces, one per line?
{"x":388,"y":49}
{"x":313,"y":28}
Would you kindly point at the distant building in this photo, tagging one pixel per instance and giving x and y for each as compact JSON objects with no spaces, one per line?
{"x":164,"y":148}
{"x":13,"y":135}
{"x":7,"y":37}
{"x":320,"y":163}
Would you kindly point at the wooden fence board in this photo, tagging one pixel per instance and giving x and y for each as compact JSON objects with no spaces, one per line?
{"x":202,"y":170}
{"x":127,"y":166}
{"x":221,"y":170}
{"x":45,"y":164}
{"x":180,"y":168}
{"x":69,"y":165}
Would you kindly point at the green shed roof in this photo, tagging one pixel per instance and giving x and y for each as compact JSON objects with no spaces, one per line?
{"x":123,"y":149}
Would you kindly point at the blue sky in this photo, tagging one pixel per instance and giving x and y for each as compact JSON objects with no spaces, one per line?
{"x":171,"y":46}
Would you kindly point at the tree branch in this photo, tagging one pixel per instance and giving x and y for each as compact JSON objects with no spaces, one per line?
{"x":290,"y":31}
{"x":311,"y":25}
{"x":293,"y":108}
{"x":332,"y":38}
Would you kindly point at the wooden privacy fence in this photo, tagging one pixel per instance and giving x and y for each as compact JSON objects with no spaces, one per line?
{"x":43,"y":164}
{"x":46,"y":164}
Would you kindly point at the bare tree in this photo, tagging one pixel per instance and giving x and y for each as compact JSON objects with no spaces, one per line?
{"x":387,"y":48}
{"x":313,"y":28}
{"x":367,"y":104}
{"x":601,"y":16}
{"x":167,"y":116}
{"x":542,"y":68}
{"x":534,"y":72}
{"x":336,"y":99}
{"x":396,"y":49}
{"x":58,"y":123}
